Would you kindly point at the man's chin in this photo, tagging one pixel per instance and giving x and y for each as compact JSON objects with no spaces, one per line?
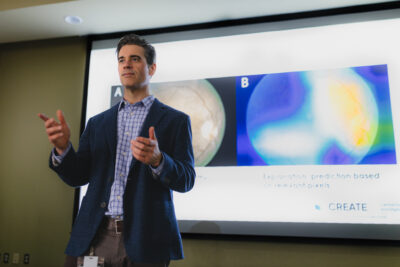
{"x":133,"y":88}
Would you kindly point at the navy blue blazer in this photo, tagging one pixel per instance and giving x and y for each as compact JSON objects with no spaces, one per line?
{"x":151,"y":232}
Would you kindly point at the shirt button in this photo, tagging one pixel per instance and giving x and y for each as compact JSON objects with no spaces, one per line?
{"x":124,"y":153}
{"x":121,"y":174}
{"x":127,"y":133}
{"x":119,"y":197}
{"x":103,"y":205}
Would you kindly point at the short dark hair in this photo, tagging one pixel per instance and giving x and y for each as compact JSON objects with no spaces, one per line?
{"x":133,"y":39}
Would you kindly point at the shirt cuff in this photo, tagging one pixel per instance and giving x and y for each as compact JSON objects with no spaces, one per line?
{"x":57,"y":159}
{"x":157,"y":171}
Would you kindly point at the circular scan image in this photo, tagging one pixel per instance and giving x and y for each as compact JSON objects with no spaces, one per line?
{"x":320,"y":117}
{"x":199,"y":100}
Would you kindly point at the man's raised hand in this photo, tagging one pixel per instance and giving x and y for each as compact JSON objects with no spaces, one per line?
{"x":146,"y":149}
{"x":57,"y":132}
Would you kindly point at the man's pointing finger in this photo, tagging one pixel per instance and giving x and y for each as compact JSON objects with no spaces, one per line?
{"x":43,"y":117}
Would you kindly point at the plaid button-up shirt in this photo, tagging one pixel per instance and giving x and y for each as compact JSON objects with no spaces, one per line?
{"x":130,"y":121}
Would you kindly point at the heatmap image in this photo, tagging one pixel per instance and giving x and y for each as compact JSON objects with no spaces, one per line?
{"x":326,"y":117}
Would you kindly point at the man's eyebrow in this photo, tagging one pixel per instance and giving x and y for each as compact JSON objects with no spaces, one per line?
{"x":130,"y":56}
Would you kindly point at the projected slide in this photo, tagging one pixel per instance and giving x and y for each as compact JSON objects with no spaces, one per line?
{"x":339,"y":116}
{"x":323,"y":117}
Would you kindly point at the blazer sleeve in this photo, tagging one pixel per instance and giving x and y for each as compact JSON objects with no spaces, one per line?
{"x":75,"y":167}
{"x":178,"y":171}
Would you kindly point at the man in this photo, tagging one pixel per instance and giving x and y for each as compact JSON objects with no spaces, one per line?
{"x":132,"y":156}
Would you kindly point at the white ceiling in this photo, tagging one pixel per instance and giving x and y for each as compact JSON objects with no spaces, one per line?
{"x":106,"y":16}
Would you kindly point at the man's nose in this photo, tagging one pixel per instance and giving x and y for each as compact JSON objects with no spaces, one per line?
{"x":127,"y":65}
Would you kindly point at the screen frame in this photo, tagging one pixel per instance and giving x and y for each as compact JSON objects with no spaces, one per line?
{"x":374,"y":232}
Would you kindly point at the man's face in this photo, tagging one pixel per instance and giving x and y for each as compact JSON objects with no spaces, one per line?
{"x":134,"y":72}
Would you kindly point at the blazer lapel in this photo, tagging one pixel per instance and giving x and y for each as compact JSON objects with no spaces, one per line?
{"x":155,"y":114}
{"x":111,"y":130}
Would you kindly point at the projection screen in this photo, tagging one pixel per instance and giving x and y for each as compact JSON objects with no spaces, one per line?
{"x":296,"y":124}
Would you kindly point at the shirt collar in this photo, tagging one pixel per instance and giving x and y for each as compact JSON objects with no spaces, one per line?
{"x":146,"y":102}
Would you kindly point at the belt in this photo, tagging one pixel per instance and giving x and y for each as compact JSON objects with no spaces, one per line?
{"x":114,"y":224}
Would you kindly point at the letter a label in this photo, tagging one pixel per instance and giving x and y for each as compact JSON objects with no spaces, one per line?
{"x":118,"y":92}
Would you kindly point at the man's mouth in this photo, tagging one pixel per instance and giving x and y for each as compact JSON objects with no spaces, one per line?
{"x":128,"y":74}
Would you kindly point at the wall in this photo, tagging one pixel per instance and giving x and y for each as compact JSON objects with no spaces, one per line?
{"x":286,"y":252}
{"x":36,"y":207}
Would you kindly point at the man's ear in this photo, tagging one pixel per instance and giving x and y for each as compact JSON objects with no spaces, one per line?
{"x":152,"y":69}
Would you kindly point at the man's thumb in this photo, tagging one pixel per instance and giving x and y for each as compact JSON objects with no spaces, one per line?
{"x":60,"y":116}
{"x":152,"y":133}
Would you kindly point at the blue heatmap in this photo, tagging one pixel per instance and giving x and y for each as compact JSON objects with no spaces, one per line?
{"x":320,"y":117}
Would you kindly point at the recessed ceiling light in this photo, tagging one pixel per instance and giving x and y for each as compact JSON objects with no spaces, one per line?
{"x":73,"y":20}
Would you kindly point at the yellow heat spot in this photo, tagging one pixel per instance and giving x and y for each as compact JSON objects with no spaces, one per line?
{"x":353,"y":112}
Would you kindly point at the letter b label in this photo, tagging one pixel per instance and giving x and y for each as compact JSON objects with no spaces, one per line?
{"x":245,"y":82}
